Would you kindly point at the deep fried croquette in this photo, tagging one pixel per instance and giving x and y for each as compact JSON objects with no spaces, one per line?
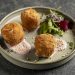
{"x":30,"y":19}
{"x":44,"y":45}
{"x":12,"y":33}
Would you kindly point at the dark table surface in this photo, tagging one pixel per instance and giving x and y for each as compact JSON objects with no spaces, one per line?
{"x":7,"y":6}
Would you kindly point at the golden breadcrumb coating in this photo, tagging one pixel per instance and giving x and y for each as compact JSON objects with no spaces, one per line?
{"x":30,"y":19}
{"x":44,"y":45}
{"x":12,"y":33}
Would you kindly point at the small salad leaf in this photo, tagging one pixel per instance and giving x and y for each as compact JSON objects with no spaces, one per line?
{"x":61,"y":32}
{"x":57,"y":31}
{"x":55,"y":16}
{"x":50,"y":22}
{"x":64,"y":25}
{"x":55,"y":25}
{"x":43,"y":28}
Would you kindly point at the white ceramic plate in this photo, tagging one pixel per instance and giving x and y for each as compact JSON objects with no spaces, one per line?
{"x":57,"y":59}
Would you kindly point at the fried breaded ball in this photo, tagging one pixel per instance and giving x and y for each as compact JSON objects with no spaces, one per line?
{"x":12,"y":33}
{"x":44,"y":45}
{"x":30,"y":19}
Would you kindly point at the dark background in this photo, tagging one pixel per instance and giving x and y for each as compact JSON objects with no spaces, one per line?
{"x":7,"y":6}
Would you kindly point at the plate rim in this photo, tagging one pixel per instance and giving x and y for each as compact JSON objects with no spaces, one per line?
{"x":28,"y":62}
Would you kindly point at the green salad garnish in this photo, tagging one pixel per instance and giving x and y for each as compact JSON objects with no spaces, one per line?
{"x":54,"y":23}
{"x":48,"y":26}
